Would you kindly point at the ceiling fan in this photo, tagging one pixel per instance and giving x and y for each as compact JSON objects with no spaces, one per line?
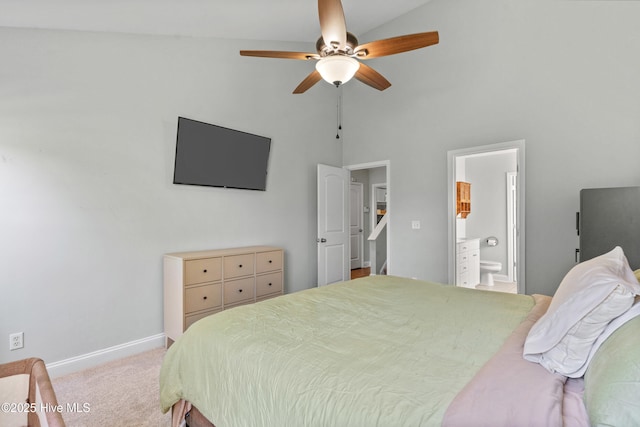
{"x":338,"y":51}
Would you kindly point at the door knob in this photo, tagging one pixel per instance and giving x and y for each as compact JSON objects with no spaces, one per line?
{"x":322,"y":240}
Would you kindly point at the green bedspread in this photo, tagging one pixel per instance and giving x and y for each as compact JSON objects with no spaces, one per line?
{"x":377,"y":351}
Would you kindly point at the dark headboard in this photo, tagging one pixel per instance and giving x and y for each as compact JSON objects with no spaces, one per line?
{"x":610,"y":217}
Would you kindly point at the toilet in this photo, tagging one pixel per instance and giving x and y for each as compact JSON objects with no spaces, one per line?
{"x":487,"y":270}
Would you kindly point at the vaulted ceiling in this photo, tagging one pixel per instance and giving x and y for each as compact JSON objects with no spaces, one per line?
{"x":286,"y":20}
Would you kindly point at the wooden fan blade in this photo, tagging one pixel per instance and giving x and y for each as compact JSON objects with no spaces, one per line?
{"x":309,"y":81}
{"x":395,"y":45}
{"x":371,"y":77}
{"x":279,"y":54}
{"x":332,"y":23}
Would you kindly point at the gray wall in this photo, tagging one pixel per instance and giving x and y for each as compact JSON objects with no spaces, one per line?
{"x":87,"y":142}
{"x":562,"y":75}
{"x":87,"y":136}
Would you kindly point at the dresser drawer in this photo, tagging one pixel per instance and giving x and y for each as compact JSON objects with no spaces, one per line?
{"x":238,"y":265}
{"x":463,"y":279}
{"x":268,"y":261}
{"x":202,"y":297}
{"x":463,"y":267}
{"x":464,"y":257}
{"x":239,"y":290}
{"x":190,"y":320}
{"x":467,"y":245}
{"x":268,"y":284}
{"x":202,"y":270}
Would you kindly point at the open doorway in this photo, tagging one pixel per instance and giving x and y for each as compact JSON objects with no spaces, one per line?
{"x":333,"y":213}
{"x":486,"y":240}
{"x":374,"y":180}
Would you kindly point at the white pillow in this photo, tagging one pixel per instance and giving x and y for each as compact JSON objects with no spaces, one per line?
{"x":591,"y":295}
{"x":633,"y":312}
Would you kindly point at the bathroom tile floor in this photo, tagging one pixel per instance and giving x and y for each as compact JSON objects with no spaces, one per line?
{"x":509,"y":287}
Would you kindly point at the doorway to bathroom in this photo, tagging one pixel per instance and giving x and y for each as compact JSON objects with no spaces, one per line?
{"x":486,"y":239}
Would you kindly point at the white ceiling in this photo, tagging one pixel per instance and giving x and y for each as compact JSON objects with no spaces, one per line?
{"x":286,"y":20}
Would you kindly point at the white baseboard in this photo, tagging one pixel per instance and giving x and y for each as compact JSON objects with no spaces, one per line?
{"x":95,"y":358}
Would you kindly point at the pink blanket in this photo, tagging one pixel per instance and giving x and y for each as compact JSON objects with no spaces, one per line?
{"x":510,"y":391}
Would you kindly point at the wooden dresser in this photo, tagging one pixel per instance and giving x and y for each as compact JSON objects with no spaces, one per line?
{"x":197,"y":284}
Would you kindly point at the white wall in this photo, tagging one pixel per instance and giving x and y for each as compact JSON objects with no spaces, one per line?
{"x":87,"y":142}
{"x":488,"y":175}
{"x":562,"y":75}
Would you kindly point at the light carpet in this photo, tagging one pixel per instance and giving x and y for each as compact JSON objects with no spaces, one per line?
{"x":124,"y":392}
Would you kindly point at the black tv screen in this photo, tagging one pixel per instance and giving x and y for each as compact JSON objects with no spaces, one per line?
{"x":215,"y":156}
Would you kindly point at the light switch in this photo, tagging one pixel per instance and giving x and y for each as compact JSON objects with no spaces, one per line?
{"x":415,"y":225}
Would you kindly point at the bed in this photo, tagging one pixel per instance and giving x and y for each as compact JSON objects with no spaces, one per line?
{"x":392,"y":351}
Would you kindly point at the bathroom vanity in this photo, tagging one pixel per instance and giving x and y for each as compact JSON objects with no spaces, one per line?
{"x":468,"y":263}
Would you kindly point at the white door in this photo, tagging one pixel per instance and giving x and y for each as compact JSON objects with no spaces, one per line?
{"x":356,"y":206}
{"x":512,"y":226}
{"x":333,"y":225}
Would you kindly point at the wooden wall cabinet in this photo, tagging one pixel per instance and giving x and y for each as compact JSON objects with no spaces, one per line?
{"x":198,"y":284}
{"x":463,"y":199}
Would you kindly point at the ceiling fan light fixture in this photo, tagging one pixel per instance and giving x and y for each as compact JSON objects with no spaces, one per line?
{"x":337,"y":69}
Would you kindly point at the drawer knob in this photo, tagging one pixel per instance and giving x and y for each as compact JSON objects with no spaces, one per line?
{"x":204,"y":271}
{"x":270,"y":261}
{"x":269,"y":284}
{"x":239,"y":290}
{"x":240,"y":266}
{"x":204,"y":297}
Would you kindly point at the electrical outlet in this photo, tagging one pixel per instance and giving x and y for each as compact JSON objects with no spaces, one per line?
{"x":16,"y":341}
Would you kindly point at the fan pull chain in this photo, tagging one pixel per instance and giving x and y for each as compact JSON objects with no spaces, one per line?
{"x":339,"y":108}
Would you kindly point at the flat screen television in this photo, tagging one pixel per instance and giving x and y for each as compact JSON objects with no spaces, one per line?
{"x":215,"y":156}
